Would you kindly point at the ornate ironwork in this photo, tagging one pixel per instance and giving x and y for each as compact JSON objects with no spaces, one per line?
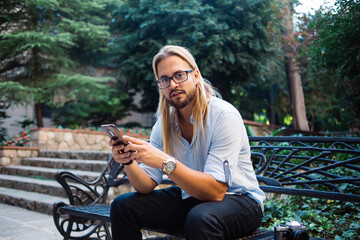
{"x":86,"y":193}
{"x":308,"y":166}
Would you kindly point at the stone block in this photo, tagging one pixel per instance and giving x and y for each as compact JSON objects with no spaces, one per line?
{"x":5,"y":161}
{"x":24,"y":153}
{"x":5,"y":198}
{"x":52,"y":146}
{"x":91,"y":139}
{"x":104,"y":146}
{"x":44,"y":146}
{"x":62,"y":155}
{"x":13,"y":201}
{"x":44,"y":208}
{"x":75,"y":147}
{"x":69,"y":139}
{"x":101,"y":138}
{"x":60,"y":136}
{"x":51,"y":136}
{"x":63,"y":146}
{"x":43,"y":137}
{"x":11,"y":153}
{"x":34,"y":153}
{"x":16,"y":161}
{"x":80,"y":139}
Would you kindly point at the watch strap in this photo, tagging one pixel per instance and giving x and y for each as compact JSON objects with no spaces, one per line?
{"x":128,"y":163}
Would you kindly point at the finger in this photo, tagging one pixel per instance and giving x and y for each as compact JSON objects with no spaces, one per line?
{"x":117,"y":148}
{"x":122,"y":159}
{"x":133,"y":140}
{"x":120,"y":154}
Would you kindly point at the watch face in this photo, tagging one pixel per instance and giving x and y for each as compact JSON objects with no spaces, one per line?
{"x":169,"y":166}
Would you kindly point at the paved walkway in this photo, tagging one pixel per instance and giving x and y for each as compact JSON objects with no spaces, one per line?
{"x":21,"y":224}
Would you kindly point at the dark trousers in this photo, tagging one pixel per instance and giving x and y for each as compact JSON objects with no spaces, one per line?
{"x":235,"y":216}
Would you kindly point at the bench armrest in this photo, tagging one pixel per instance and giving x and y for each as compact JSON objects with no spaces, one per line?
{"x":79,"y":191}
{"x":82,"y":192}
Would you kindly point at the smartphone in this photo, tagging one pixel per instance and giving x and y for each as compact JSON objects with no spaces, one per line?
{"x":113,"y":133}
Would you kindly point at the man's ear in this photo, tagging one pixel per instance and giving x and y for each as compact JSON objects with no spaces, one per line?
{"x":196,"y":76}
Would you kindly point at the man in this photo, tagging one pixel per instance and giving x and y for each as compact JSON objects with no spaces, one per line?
{"x":199,"y":141}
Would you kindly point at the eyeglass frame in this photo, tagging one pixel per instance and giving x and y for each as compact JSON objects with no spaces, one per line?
{"x":172,"y":78}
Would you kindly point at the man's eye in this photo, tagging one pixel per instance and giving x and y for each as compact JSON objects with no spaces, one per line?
{"x":179,"y":75}
{"x":163,"y":80}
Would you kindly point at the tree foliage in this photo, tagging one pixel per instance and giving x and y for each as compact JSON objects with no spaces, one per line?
{"x":330,"y":46}
{"x":229,"y":40}
{"x":44,"y":47}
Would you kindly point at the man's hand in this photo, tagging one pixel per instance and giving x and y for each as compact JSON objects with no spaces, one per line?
{"x":135,"y":150}
{"x":144,"y":152}
{"x":119,"y":154}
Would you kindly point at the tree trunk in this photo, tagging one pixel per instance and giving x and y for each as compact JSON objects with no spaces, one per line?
{"x":292,"y":73}
{"x":38,"y":114}
{"x":36,"y":73}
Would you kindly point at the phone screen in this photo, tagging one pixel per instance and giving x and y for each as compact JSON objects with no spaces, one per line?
{"x":113,"y":133}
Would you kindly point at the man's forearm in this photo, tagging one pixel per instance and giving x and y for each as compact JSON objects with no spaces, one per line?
{"x":198,"y":184}
{"x":139,"y":179}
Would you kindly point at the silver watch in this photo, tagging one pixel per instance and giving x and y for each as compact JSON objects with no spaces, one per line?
{"x":169,"y":165}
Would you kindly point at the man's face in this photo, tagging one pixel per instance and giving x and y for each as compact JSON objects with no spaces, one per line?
{"x":179,"y":95}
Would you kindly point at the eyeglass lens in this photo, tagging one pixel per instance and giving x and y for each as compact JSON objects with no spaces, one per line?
{"x":178,"y":77}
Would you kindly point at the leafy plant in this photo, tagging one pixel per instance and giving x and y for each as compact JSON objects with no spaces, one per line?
{"x":323,"y":218}
{"x":20,"y":140}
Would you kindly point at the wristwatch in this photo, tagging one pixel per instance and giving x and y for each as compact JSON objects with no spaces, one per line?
{"x":169,"y":165}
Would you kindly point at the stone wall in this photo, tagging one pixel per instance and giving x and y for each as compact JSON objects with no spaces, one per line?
{"x":64,"y":139}
{"x":48,"y":139}
{"x":13,"y":155}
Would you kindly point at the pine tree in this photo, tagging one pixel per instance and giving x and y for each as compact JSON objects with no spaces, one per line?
{"x":44,"y":48}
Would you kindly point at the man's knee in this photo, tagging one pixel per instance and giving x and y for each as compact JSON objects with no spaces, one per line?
{"x":201,"y":223}
{"x":119,"y":204}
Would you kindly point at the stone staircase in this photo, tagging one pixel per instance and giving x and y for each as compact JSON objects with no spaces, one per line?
{"x":32,"y":185}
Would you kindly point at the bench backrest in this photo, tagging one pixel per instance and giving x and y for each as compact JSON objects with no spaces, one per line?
{"x":321,"y":167}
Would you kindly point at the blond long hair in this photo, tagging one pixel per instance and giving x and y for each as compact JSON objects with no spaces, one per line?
{"x":204,"y":91}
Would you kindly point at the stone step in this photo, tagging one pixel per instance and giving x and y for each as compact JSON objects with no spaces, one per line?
{"x":52,"y":188}
{"x":80,"y":154}
{"x":64,"y":163}
{"x":29,"y":200}
{"x":47,"y":173}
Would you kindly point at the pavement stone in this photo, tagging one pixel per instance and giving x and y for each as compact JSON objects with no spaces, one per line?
{"x":22,"y":224}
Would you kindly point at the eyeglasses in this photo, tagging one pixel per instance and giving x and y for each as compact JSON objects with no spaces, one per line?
{"x":178,"y":77}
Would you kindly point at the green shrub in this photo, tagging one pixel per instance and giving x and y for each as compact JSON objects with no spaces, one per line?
{"x":20,"y":140}
{"x":323,"y":218}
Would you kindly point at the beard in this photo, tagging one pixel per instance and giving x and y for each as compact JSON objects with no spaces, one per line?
{"x":179,"y":105}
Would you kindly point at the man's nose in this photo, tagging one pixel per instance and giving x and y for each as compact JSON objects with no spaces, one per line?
{"x":173,"y":83}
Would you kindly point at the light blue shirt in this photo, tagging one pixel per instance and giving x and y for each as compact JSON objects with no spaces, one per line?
{"x":223,"y":151}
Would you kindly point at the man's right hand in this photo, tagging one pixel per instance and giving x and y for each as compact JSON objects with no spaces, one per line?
{"x":118,"y":152}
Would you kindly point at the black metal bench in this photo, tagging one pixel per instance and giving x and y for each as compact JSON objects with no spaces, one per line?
{"x":305,"y":166}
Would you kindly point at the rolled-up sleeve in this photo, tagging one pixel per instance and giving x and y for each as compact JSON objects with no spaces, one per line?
{"x":225,"y":145}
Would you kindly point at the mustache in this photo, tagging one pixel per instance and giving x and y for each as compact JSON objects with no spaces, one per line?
{"x":177,"y":91}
